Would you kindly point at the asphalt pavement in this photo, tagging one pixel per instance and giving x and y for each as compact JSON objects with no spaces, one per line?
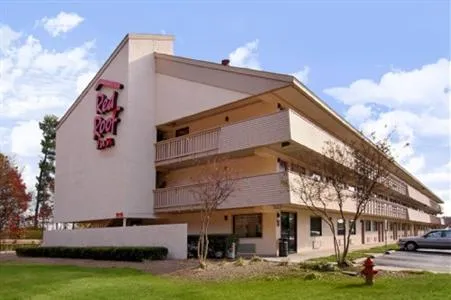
{"x":426,"y":260}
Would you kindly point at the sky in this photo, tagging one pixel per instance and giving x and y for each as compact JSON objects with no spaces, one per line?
{"x":383,"y":65}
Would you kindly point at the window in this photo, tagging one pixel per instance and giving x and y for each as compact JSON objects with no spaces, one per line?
{"x":367,"y":225}
{"x":446,"y":234}
{"x":182,"y":131}
{"x":341,"y":227}
{"x":247,"y":225}
{"x":390,"y":226}
{"x":374,"y":226}
{"x":434,"y":235}
{"x":352,"y":226}
{"x":316,"y":226}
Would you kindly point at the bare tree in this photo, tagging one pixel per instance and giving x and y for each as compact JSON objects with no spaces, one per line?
{"x":215,"y":184}
{"x":345,"y":178}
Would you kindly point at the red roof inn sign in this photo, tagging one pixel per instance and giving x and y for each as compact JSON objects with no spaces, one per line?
{"x":107,"y":118}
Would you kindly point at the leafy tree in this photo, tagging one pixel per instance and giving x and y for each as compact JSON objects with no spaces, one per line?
{"x":345,"y":178}
{"x":45,"y":180}
{"x":14,"y":198}
{"x":216,"y":182}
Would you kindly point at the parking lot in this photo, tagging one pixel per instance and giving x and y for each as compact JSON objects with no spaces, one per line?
{"x":427,"y":260}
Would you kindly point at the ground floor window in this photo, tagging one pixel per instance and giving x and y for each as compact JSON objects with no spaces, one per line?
{"x":247,"y":226}
{"x":374,"y":226}
{"x":367,"y":225}
{"x":316,"y":228}
{"x":341,"y":227}
{"x":352,"y":226}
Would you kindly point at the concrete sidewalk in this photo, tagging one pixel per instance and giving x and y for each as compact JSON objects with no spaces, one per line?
{"x":311,"y":254}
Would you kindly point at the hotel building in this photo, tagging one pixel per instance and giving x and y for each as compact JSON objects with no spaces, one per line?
{"x":129,"y":145}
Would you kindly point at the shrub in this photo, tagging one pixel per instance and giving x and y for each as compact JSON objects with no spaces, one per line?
{"x":239,"y":262}
{"x":218,"y":244}
{"x":97,"y":253}
{"x":256,"y":259}
{"x":319,"y":266}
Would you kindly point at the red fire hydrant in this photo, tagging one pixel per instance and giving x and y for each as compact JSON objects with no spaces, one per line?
{"x":368,"y":271}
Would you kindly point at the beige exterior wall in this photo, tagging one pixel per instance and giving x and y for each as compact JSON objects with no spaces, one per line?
{"x":178,"y":98}
{"x":93,"y":184}
{"x":171,"y":236}
{"x":85,"y":188}
{"x":242,"y":113}
{"x":418,"y":196}
{"x":266,"y":245}
{"x":243,"y":167}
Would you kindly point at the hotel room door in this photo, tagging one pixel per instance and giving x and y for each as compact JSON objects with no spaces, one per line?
{"x":288,"y":229}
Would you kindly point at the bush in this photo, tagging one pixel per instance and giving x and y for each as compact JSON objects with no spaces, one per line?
{"x":218,"y":244}
{"x":97,"y":253}
{"x":319,"y":266}
{"x":12,"y":247}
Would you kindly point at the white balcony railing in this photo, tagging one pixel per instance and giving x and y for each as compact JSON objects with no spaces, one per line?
{"x":261,"y":131}
{"x":383,"y":208}
{"x":249,"y":191}
{"x":190,"y":144}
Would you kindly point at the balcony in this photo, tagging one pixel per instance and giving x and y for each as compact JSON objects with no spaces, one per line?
{"x":378,"y":207}
{"x":250,"y":191}
{"x":419,"y":216}
{"x":267,"y":131}
{"x":397,"y":185}
{"x":269,"y":189}
{"x":184,"y":146}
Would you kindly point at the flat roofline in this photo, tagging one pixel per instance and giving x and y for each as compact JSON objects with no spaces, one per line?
{"x":357,"y":133}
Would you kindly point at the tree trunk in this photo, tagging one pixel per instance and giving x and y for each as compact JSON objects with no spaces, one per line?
{"x":38,"y":199}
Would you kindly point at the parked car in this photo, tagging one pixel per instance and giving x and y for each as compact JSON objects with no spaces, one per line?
{"x":434,"y":239}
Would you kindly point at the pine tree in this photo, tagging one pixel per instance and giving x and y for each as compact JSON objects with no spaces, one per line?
{"x":45,"y":180}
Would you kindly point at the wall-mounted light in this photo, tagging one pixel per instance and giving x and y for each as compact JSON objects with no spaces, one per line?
{"x":278,"y":219}
{"x":226,"y":218}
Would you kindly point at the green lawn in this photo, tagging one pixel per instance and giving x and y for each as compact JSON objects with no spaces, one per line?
{"x":62,"y":282}
{"x":358,"y":253}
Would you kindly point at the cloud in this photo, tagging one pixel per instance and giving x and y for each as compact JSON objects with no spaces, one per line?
{"x":415,"y":164}
{"x":40,"y":79}
{"x":5,"y":136}
{"x":427,"y":85}
{"x":36,"y":80}
{"x":302,"y":75}
{"x":246,"y":56}
{"x":26,"y":138}
{"x":62,"y":23}
{"x":413,"y":105}
{"x":7,"y":37}
{"x":359,"y":113}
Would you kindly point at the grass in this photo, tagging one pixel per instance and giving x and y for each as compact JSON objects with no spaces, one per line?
{"x":353,"y":255}
{"x":64,"y":282}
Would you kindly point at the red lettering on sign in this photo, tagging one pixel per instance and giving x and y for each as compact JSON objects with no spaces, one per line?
{"x":107,"y":119}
